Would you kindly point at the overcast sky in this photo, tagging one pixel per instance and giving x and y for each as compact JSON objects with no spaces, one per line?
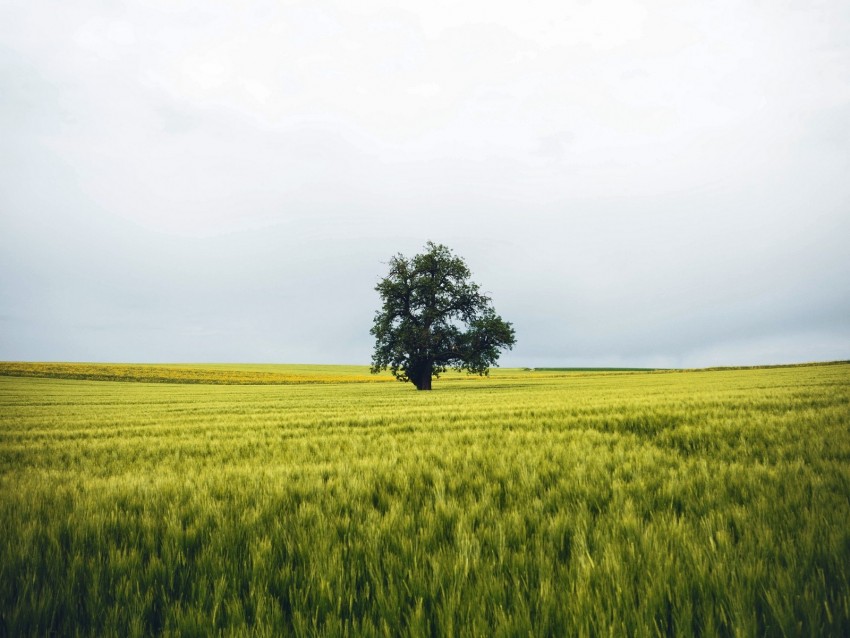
{"x":642,"y":183}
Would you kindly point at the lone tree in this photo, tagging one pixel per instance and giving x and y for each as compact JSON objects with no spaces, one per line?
{"x":433,"y":317}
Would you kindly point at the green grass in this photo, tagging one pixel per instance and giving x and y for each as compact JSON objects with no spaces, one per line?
{"x":707,"y":503}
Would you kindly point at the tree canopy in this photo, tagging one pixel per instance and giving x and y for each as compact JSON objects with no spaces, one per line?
{"x":433,"y":317}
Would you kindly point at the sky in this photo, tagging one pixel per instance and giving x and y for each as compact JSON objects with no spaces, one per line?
{"x":635,"y":183}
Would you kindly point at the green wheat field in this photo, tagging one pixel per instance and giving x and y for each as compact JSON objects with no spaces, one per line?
{"x":322,"y":501}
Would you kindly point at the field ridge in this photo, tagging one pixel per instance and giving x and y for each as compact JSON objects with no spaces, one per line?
{"x":305,"y":374}
{"x":192,"y":373}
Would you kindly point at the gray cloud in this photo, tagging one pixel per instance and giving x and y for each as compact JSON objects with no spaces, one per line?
{"x":638,"y":185}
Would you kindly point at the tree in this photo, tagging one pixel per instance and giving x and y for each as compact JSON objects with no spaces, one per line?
{"x":433,"y":317}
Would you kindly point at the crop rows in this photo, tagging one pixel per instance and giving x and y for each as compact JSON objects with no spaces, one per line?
{"x":712,"y":503}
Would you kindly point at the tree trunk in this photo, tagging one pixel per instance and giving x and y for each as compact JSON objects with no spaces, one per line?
{"x":423,"y":378}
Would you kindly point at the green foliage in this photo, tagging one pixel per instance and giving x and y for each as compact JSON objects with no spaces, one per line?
{"x":433,"y":317}
{"x":643,"y":504}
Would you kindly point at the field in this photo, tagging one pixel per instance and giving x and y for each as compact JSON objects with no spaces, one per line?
{"x":529,"y":503}
{"x":214,"y":374}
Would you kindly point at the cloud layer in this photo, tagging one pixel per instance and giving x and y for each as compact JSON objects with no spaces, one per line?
{"x":637,"y":183}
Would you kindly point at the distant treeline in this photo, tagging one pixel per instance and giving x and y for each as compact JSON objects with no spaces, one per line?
{"x":710,"y":369}
{"x":767,"y":367}
{"x":592,"y":369}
